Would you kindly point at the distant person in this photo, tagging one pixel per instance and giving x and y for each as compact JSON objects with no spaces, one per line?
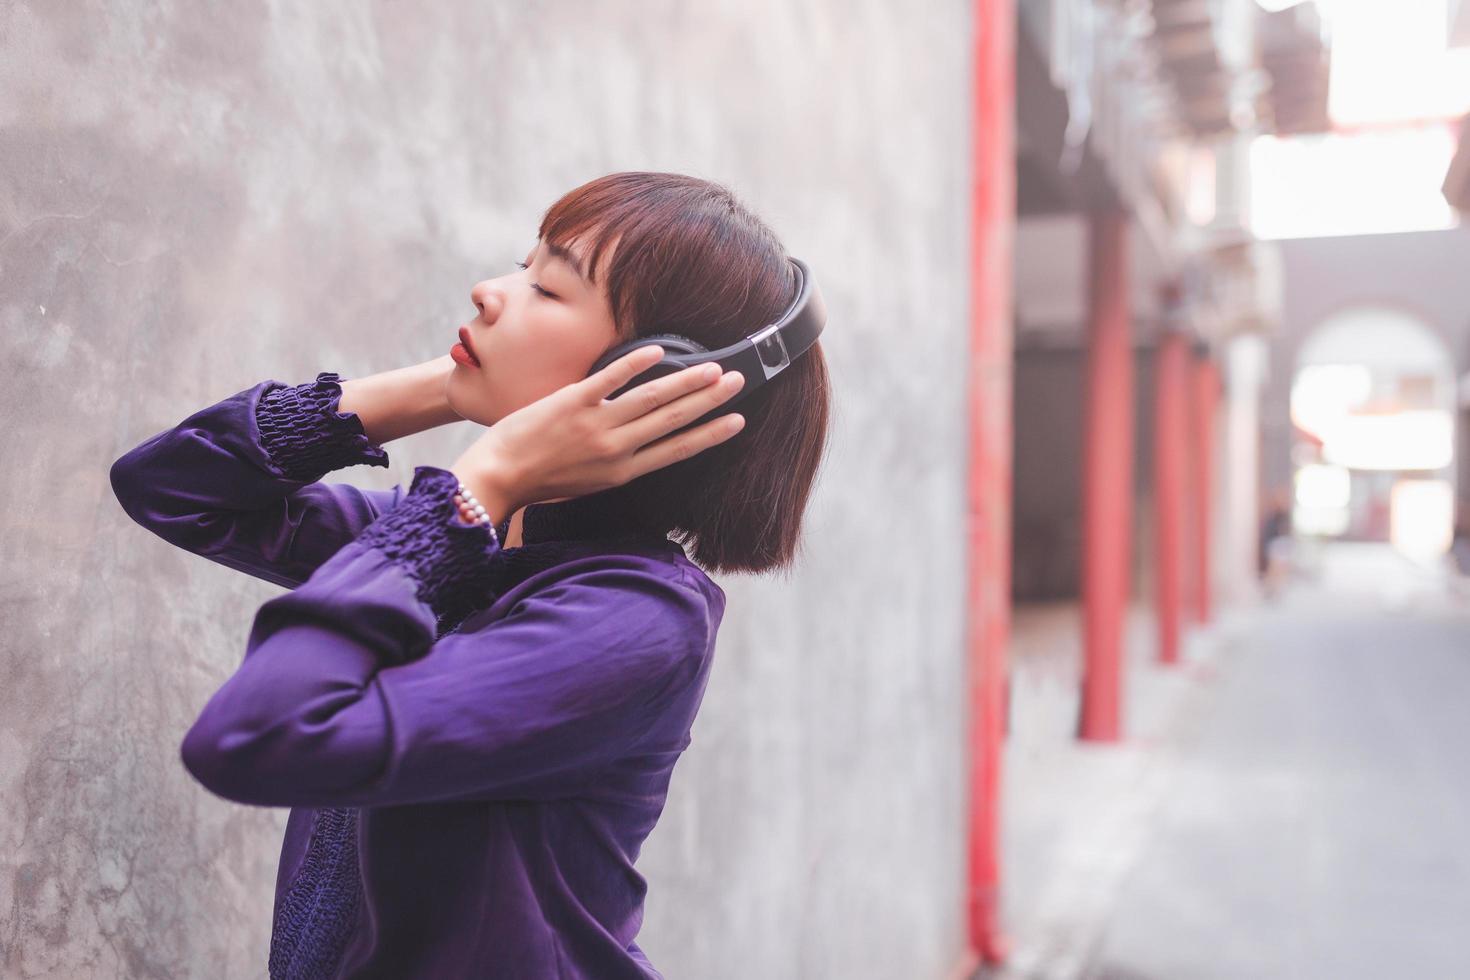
{"x":1459,"y":554}
{"x":1274,"y":553}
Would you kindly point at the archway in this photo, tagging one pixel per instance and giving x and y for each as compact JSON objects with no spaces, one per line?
{"x":1373,"y":415}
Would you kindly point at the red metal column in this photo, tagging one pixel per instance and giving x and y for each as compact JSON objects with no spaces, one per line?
{"x":988,"y":583}
{"x":1171,"y":436}
{"x":1206,"y":390}
{"x":1107,"y":477}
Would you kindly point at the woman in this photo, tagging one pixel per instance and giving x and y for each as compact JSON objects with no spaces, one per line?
{"x":474,"y":713}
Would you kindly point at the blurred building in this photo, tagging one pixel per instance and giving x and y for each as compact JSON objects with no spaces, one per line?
{"x":1457,"y":180}
{"x":1134,"y":125}
{"x":1186,"y":348}
{"x":1143,"y":305}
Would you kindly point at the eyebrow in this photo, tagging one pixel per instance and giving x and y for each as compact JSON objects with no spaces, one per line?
{"x":565,"y":254}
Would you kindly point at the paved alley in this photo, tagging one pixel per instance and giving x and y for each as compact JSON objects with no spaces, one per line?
{"x":1291,"y":801}
{"x":1315,"y":824}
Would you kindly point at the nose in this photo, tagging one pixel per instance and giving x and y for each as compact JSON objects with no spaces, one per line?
{"x":488,"y":299}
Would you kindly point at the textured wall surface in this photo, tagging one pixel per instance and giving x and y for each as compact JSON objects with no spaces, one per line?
{"x":192,"y":200}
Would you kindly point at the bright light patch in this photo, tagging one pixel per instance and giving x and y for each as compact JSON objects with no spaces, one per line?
{"x":1323,"y":393}
{"x":1351,"y":184}
{"x":1391,"y":68}
{"x":1416,"y":440}
{"x":1390,"y":63}
{"x":1322,"y":496}
{"x":1421,"y":517}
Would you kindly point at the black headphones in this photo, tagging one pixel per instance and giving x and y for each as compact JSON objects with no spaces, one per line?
{"x":758,"y":357}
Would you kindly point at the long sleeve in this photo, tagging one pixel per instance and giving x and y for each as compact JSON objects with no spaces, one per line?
{"x":345,"y":699}
{"x":235,"y":482}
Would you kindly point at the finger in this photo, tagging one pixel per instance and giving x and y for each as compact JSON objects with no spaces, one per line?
{"x":677,"y":448}
{"x":638,"y":402}
{"x":679,"y":412}
{"x":603,"y":383}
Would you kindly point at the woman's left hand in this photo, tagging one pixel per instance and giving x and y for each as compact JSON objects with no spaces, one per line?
{"x":575,"y":442}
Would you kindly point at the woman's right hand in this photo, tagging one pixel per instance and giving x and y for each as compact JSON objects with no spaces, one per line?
{"x":575,"y":441}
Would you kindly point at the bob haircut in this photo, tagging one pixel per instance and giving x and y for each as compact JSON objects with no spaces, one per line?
{"x":688,"y":258}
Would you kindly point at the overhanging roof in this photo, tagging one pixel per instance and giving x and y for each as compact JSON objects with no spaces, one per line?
{"x":1456,"y":185}
{"x":1459,"y":24}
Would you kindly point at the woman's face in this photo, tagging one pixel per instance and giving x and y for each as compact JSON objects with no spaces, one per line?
{"x":531,"y":341}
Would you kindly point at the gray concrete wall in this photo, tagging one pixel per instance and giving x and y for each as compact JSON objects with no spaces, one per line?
{"x":194,"y":200}
{"x":1423,"y":273}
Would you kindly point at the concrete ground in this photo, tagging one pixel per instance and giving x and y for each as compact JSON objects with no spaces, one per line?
{"x":1291,"y":802}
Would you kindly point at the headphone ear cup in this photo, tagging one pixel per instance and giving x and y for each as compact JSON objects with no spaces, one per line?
{"x":679,"y":343}
{"x":670,"y":342}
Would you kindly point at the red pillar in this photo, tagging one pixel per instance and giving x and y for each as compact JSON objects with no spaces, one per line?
{"x":1107,"y":477}
{"x":1206,"y":391}
{"x":988,"y":583}
{"x":1171,"y":451}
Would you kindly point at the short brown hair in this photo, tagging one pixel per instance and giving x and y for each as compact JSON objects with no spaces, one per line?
{"x":692,"y":260}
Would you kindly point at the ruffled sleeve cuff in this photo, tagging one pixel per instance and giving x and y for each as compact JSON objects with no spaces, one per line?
{"x":453,"y":564}
{"x":305,"y":436}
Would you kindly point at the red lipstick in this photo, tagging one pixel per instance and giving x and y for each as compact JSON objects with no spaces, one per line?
{"x":463,"y":352}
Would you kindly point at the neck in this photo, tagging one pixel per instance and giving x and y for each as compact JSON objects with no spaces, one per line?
{"x":513,"y":536}
{"x":603,"y":515}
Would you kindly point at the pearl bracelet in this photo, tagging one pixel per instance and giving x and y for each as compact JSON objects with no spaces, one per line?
{"x":473,"y":511}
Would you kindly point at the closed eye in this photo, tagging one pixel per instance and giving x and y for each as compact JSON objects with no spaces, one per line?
{"x":536,"y":286}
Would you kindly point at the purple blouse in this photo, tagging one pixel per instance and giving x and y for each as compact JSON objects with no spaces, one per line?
{"x":474,"y":741}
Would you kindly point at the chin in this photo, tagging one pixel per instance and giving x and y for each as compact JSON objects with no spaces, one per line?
{"x":469,"y":402}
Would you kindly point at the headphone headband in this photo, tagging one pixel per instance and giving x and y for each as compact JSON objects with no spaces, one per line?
{"x":758,"y":357}
{"x":782,"y":342}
